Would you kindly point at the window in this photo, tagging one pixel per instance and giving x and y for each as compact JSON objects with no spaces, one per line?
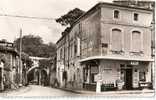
{"x":94,"y":71}
{"x":142,"y":76}
{"x":78,"y":46}
{"x":85,"y":72}
{"x":70,"y":50}
{"x":116,"y":14}
{"x":135,"y":16}
{"x":136,"y":41}
{"x":104,"y":45}
{"x":75,"y":49}
{"x":60,"y":53}
{"x":116,"y":40}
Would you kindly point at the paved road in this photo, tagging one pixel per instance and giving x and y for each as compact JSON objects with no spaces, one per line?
{"x":35,"y":90}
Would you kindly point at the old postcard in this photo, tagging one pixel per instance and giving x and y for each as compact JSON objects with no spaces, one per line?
{"x":77,"y":48}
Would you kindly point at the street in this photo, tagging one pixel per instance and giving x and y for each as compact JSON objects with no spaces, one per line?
{"x":40,"y":91}
{"x":36,"y":90}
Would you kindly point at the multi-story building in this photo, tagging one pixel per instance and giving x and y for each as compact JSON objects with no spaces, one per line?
{"x":110,"y":43}
{"x":148,"y":4}
{"x":39,"y":73}
{"x":9,"y":66}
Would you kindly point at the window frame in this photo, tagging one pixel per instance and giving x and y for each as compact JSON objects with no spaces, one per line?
{"x":135,"y":18}
{"x":118,"y":14}
{"x":141,"y":36}
{"x":122,"y":34}
{"x":142,"y":76}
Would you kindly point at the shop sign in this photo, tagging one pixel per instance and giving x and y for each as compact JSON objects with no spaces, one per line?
{"x":144,"y":85}
{"x":135,"y":78}
{"x":134,"y":63}
{"x":62,"y":67}
{"x":98,"y":77}
{"x":94,"y":69}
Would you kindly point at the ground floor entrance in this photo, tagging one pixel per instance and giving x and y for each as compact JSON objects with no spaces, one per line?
{"x":127,"y":75}
{"x":1,"y":79}
{"x":128,"y":79}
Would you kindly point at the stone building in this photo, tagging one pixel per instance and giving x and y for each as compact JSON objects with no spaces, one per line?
{"x":110,"y":43}
{"x":9,"y":66}
{"x":52,"y":72}
{"x":38,"y":73}
{"x":148,"y":4}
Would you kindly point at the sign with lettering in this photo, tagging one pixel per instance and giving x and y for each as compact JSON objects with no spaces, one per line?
{"x":135,"y":78}
{"x":94,"y":69}
{"x":143,"y":84}
{"x":134,"y":63}
{"x":97,"y":77}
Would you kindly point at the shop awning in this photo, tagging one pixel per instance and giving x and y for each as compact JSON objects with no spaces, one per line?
{"x":116,"y":58}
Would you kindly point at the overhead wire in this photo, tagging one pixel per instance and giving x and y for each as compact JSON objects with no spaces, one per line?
{"x":3,"y":14}
{"x":29,"y":17}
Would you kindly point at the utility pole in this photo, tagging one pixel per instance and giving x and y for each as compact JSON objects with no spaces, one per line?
{"x":20,"y":62}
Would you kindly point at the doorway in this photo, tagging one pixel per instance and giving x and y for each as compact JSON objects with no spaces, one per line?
{"x":126,"y":76}
{"x":1,"y":78}
{"x":128,"y":79}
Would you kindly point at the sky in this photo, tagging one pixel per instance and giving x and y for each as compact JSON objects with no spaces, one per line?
{"x":49,"y":30}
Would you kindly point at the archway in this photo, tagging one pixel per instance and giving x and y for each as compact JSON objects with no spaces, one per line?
{"x":38,"y":76}
{"x":44,"y":77}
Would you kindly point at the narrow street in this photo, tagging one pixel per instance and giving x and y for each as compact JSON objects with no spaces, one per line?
{"x":40,"y":91}
{"x":36,"y":90}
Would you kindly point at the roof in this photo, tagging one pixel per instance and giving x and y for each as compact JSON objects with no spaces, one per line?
{"x":38,"y":58}
{"x":100,"y":4}
{"x":149,"y":1}
{"x":116,"y":58}
{"x":8,"y":49}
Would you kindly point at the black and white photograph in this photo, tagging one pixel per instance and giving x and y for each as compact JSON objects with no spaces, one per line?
{"x":77,"y":48}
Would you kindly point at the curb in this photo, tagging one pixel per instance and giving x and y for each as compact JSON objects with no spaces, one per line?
{"x":69,"y":90}
{"x":115,"y":92}
{"x":127,"y":92}
{"x":25,"y":88}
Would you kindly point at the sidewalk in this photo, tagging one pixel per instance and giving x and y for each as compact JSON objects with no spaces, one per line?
{"x":6,"y":92}
{"x":109,"y":92}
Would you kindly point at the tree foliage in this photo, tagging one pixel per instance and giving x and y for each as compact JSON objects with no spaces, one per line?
{"x":26,"y":60}
{"x":47,"y":63}
{"x":70,"y":17}
{"x":34,"y":46}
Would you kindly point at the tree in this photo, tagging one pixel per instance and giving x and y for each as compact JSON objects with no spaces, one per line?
{"x":34,"y":46}
{"x":26,"y":60}
{"x":47,"y":50}
{"x":30,"y":44}
{"x":3,"y":40}
{"x":70,"y":17}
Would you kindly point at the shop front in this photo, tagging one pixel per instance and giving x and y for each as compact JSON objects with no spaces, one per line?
{"x":135,"y":75}
{"x":90,"y":70}
{"x":1,"y":75}
{"x":116,"y":74}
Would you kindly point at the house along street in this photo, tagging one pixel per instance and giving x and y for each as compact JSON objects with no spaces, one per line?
{"x":40,"y":91}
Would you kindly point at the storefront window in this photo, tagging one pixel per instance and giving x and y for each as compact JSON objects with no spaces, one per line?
{"x":142,"y":76}
{"x":122,"y":75}
{"x":94,"y":71}
{"x":85,"y":74}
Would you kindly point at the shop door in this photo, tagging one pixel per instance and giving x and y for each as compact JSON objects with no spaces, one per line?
{"x":128,"y":79}
{"x":1,"y":75}
{"x":1,"y":79}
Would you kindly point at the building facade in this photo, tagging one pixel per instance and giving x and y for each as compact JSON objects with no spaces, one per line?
{"x":9,"y":66}
{"x":110,"y":43}
{"x":148,"y":4}
{"x":39,"y":72}
{"x":52,"y":73}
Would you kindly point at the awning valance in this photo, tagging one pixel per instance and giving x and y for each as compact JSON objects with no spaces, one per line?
{"x":116,"y":58}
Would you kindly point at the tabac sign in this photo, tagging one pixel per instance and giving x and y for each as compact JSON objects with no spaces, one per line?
{"x":134,"y":63}
{"x":98,"y":77}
